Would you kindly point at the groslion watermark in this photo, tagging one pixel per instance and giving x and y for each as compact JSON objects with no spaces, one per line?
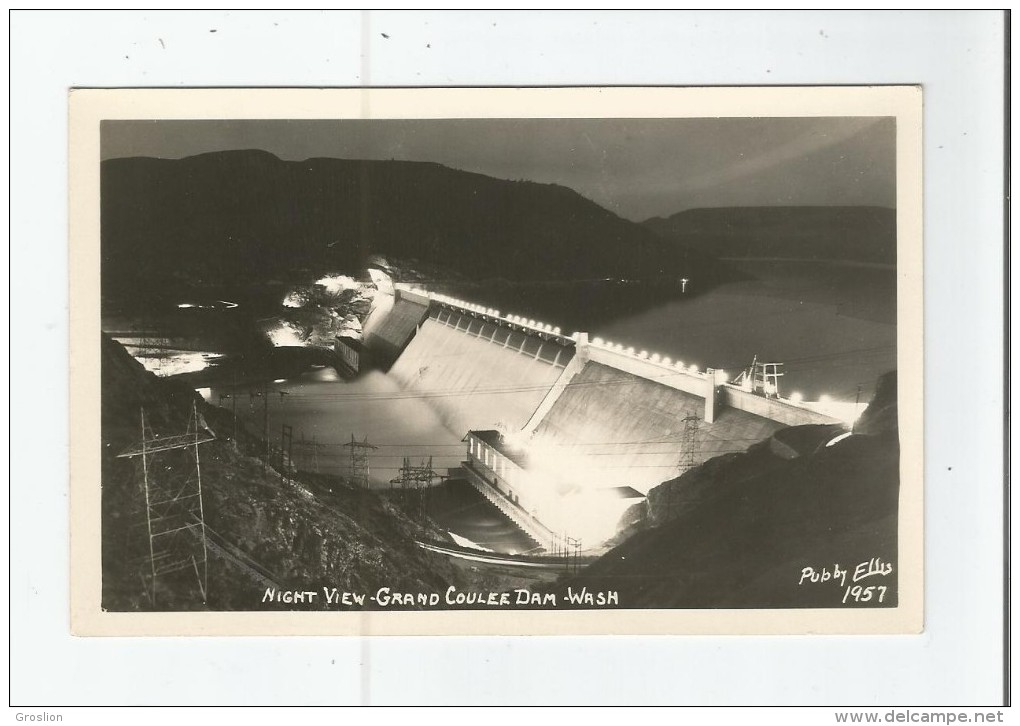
{"x":45,"y":716}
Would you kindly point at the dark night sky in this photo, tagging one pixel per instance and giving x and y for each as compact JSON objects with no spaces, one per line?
{"x":638,"y":168}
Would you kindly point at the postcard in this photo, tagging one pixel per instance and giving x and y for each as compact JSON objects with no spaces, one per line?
{"x":527,"y":361}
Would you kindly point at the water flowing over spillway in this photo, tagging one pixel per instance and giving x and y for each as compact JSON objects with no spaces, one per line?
{"x":564,"y":434}
{"x":477,"y":373}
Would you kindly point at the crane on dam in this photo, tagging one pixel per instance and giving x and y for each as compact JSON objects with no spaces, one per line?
{"x":761,"y":378}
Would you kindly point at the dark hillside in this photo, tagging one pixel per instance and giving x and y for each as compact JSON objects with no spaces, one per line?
{"x":247,"y":216}
{"x":737,"y":531}
{"x":301,"y":535}
{"x":856,"y":234}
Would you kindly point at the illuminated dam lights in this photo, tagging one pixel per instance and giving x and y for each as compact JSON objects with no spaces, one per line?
{"x":657,"y":359}
{"x":718,"y":376}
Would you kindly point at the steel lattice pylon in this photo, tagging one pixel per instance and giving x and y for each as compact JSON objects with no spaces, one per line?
{"x":174,"y":511}
{"x":415,"y":482}
{"x":689,"y":443}
{"x":686,"y":461}
{"x":359,"y":461}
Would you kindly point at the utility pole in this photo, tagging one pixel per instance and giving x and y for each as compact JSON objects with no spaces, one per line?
{"x":572,"y":546}
{"x":233,"y":409}
{"x":265,"y":427}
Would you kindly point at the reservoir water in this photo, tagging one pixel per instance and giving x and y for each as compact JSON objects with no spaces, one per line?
{"x":827,"y":347}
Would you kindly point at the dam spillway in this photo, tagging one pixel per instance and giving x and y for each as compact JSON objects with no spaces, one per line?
{"x":631,"y":427}
{"x":562,"y":430}
{"x":478,"y":372}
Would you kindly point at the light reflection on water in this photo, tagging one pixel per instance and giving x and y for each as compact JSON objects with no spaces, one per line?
{"x":320,"y":405}
{"x":175,"y":362}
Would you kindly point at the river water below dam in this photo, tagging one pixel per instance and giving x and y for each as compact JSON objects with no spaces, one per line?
{"x":324,"y":411}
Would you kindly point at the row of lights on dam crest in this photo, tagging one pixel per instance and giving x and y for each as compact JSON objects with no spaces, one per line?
{"x":493,"y":312}
{"x":536,"y":324}
{"x":656,"y":358}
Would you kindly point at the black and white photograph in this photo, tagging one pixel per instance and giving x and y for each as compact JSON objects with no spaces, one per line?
{"x":503,"y":358}
{"x":605,"y":361}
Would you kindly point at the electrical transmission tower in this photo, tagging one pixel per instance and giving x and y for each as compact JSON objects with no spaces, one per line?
{"x":305,"y":446}
{"x":172,"y":480}
{"x":415,"y":482}
{"x":359,"y":461}
{"x":156,"y":348}
{"x":686,"y":461}
{"x":689,"y":442}
{"x":286,"y":450}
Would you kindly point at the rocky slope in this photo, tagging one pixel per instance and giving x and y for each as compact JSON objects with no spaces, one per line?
{"x":302,"y":533}
{"x":738,"y":531}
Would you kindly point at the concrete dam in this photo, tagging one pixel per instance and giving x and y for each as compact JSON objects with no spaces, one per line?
{"x":563,"y":433}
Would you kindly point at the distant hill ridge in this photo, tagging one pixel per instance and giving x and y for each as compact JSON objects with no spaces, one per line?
{"x":238,"y":215}
{"x":859,"y":234}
